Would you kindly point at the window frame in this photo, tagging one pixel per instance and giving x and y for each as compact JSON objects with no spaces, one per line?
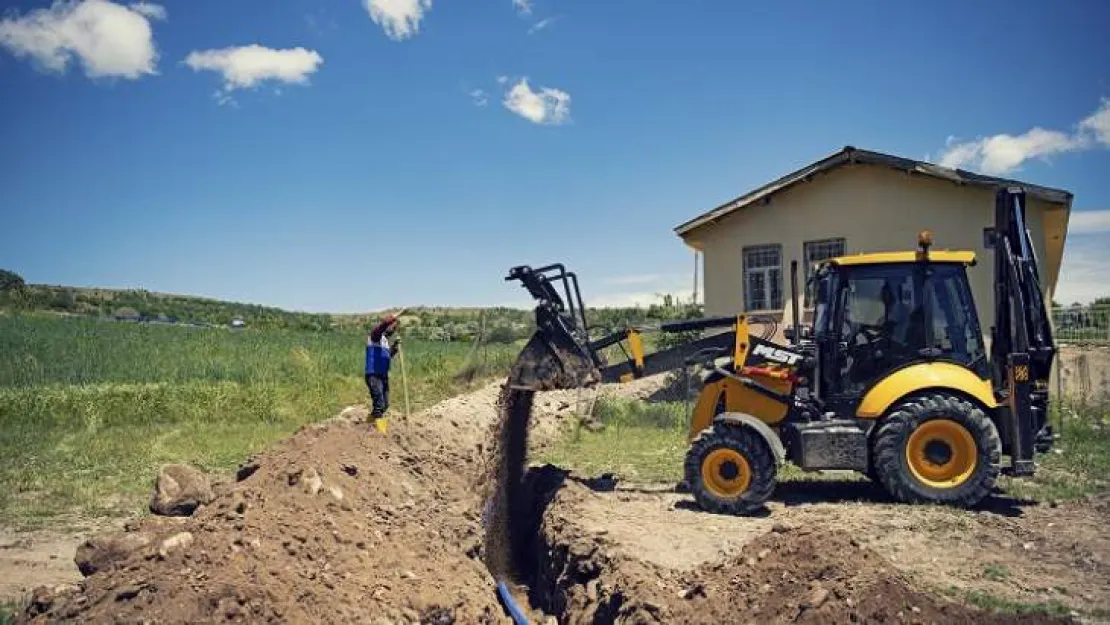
{"x":810,"y":265}
{"x":767,"y":271}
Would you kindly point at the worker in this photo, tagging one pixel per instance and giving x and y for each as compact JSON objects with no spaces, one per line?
{"x":379,"y":352}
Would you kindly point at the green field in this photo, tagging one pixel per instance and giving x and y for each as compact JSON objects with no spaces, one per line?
{"x":90,"y":408}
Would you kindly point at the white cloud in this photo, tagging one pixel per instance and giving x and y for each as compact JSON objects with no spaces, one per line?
{"x":1083,"y":270}
{"x":400,"y":19}
{"x":546,"y":106}
{"x":638,"y":289}
{"x":109,"y":39}
{"x":1005,"y":153}
{"x":1098,"y":123}
{"x":502,"y":80}
{"x":637,"y":298}
{"x":320,"y":23}
{"x":479,"y":97}
{"x":1088,"y":222}
{"x":153,"y":11}
{"x":540,"y":25}
{"x":523,"y":6}
{"x":246,"y":67}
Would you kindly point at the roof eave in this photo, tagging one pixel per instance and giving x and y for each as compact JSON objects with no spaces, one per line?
{"x":799,"y":175}
{"x":850,"y":154}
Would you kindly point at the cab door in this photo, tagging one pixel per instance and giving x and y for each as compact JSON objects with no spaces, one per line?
{"x":878,"y":319}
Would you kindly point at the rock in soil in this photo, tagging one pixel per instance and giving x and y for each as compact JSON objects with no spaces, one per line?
{"x":179,"y":489}
{"x":104,"y":551}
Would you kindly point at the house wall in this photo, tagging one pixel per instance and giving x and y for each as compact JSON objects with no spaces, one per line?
{"x":873,"y":209}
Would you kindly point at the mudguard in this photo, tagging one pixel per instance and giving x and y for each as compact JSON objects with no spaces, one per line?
{"x":922,"y":377}
{"x":739,"y":419}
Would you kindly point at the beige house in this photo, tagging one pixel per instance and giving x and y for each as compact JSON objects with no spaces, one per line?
{"x":859,"y":201}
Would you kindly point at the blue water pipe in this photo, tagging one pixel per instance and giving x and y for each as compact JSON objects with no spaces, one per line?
{"x":510,"y":604}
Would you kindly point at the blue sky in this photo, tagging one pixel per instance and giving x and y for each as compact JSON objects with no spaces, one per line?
{"x":349,"y":155}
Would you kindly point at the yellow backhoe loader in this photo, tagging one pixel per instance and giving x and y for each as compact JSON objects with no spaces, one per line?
{"x":892,"y":379}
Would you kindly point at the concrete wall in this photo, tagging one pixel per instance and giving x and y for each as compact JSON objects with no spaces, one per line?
{"x":873,"y":209}
{"x":1082,"y":375}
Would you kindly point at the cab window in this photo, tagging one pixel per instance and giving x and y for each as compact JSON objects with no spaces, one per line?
{"x":955,"y":327}
{"x":882,"y":322}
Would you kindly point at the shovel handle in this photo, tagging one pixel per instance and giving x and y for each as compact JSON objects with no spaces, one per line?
{"x":404,"y":382}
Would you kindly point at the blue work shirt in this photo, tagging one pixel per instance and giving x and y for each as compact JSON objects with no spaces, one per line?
{"x":378,"y":357}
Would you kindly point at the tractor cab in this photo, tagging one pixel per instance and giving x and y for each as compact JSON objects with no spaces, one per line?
{"x":879,"y":313}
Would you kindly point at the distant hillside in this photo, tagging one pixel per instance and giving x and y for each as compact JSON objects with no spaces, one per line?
{"x":494,"y":324}
{"x":146,"y":306}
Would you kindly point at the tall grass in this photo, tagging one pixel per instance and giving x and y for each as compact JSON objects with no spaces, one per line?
{"x":36,"y":350}
{"x":1079,"y":463}
{"x":641,"y":441}
{"x":89,"y":409}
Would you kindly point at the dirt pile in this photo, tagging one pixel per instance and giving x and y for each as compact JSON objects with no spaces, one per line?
{"x":806,"y":576}
{"x":336,"y":524}
{"x":788,"y":575}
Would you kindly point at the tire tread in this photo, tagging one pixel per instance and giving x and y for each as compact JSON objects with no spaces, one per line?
{"x":760,"y":459}
{"x":894,"y":431}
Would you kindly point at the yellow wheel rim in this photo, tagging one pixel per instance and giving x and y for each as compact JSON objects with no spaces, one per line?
{"x":726,"y":473}
{"x":941,"y":453}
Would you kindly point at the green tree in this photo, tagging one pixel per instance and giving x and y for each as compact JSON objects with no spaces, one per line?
{"x":11,"y":281}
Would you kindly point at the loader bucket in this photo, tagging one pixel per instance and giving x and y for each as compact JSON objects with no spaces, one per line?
{"x":558,"y":356}
{"x":550,"y":361}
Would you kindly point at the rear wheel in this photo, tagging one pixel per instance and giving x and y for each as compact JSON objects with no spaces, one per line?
{"x":730,"y":470}
{"x":937,"y":449}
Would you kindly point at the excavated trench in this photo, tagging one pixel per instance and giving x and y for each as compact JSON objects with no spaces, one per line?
{"x":788,"y":575}
{"x":521,"y":548}
{"x":536,"y":542}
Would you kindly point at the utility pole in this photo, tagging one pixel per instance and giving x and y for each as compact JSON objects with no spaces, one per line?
{"x":695,"y":278}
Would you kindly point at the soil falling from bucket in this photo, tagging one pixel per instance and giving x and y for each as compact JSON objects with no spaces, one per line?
{"x":506,"y":498}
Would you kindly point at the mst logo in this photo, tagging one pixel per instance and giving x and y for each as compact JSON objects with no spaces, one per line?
{"x":777,"y":355}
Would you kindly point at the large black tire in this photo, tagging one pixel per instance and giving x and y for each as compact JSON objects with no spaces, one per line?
{"x":956,"y":451}
{"x":731,"y":452}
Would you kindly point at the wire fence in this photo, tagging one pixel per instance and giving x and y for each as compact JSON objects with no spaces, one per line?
{"x":1082,"y":323}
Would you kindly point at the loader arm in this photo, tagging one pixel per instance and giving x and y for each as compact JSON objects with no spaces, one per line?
{"x":696,"y":351}
{"x":562,"y":355}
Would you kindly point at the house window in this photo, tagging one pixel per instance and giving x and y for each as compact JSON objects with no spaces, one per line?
{"x":815,"y":252}
{"x":763,"y":277}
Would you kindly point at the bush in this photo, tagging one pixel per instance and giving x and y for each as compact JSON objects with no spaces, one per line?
{"x":634,"y":413}
{"x":11,"y":281}
{"x":64,"y":299}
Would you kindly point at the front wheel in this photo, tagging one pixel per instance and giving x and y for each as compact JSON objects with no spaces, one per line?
{"x":730,"y":470}
{"x":937,"y":449}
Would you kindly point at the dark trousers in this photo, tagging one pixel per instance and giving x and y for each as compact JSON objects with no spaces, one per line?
{"x":379,"y":393}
